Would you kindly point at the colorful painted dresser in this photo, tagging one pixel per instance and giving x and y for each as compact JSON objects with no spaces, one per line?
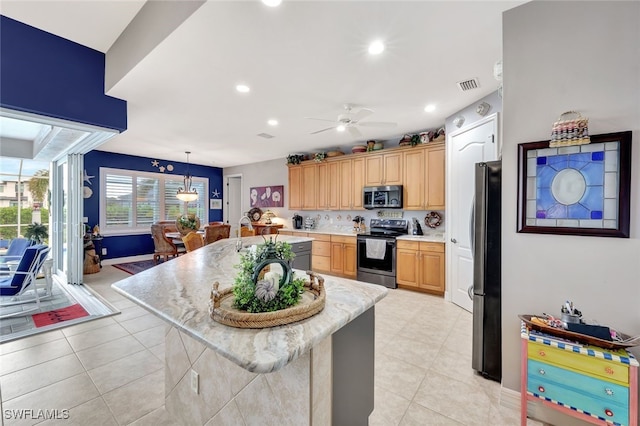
{"x":597,"y":385}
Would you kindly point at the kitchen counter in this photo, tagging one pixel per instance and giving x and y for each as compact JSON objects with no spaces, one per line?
{"x":231,"y":362}
{"x":432,"y":238}
{"x":426,"y":238}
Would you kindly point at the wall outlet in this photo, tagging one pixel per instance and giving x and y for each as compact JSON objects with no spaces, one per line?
{"x":85,"y":219}
{"x":104,"y":251}
{"x":195,"y":381}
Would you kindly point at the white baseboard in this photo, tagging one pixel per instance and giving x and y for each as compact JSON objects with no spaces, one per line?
{"x":510,"y":398}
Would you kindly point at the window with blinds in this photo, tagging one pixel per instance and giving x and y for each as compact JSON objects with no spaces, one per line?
{"x":132,"y":201}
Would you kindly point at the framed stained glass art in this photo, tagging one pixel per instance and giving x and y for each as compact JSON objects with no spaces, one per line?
{"x":576,"y":190}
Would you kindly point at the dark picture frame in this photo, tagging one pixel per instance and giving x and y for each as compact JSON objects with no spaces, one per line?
{"x":536,"y":187}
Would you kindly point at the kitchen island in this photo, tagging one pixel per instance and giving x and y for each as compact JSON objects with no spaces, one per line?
{"x":316,"y":371}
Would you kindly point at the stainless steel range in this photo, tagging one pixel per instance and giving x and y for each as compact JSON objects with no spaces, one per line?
{"x":377,"y":251}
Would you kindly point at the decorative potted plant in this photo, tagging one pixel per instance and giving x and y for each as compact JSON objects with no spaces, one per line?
{"x":265,"y":292}
{"x":295,"y":158}
{"x":36,"y":232}
{"x":187,"y":223}
{"x":319,"y":156}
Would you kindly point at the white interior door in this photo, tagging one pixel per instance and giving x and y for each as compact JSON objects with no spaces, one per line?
{"x":234,"y":202}
{"x":468,"y":146}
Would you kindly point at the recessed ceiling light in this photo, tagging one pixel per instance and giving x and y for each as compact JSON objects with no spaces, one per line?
{"x":376,"y":48}
{"x":272,"y":122}
{"x":430,"y":108}
{"x":340,"y":128}
{"x":242,"y":88}
{"x":272,"y":3}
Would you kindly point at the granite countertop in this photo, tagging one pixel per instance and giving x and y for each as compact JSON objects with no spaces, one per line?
{"x":434,"y":238}
{"x":178,"y":292}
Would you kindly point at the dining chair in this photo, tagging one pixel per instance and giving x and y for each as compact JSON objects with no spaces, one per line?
{"x":217,"y":232}
{"x":246,"y":232}
{"x":193,"y":241}
{"x":163,"y":246}
{"x":16,"y":288}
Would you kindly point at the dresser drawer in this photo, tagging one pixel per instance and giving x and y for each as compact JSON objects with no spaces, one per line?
{"x":558,"y":393}
{"x":589,"y":365}
{"x":596,"y":388}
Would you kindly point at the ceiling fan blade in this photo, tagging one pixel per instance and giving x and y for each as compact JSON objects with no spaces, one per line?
{"x":320,"y":119}
{"x":354,"y":132}
{"x":323,"y":130}
{"x":364,"y":112}
{"x":378,"y":124}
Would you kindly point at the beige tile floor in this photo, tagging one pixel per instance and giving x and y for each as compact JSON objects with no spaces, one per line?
{"x":110,"y":371}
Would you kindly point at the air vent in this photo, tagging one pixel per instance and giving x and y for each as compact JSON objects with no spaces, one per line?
{"x":468,"y":84}
{"x":265,"y":135}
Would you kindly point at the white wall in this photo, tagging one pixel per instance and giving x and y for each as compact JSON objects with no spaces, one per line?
{"x":560,"y":56}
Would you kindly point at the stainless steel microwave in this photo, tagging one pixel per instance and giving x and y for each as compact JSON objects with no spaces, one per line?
{"x":382,"y":197}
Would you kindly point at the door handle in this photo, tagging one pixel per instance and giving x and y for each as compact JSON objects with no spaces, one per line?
{"x":472,"y":233}
{"x":454,"y":241}
{"x":470,"y":292}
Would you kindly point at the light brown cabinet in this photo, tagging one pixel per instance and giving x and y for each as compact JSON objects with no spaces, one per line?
{"x":424,"y":179}
{"x":343,"y":256}
{"x":295,"y":187}
{"x":383,"y":169}
{"x":336,"y":183}
{"x":321,"y":253}
{"x":420,"y":265}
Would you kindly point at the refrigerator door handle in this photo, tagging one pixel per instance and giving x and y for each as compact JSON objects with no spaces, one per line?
{"x":470,"y":292}
{"x":472,"y":228}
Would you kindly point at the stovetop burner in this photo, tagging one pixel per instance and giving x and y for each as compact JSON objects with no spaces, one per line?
{"x":387,"y":228}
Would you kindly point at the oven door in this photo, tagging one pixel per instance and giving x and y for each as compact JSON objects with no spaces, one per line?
{"x":375,"y":265}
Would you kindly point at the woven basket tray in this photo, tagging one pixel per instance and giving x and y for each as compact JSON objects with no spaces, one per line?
{"x":312,"y":302}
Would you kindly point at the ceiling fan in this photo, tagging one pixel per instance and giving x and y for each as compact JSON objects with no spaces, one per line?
{"x":351,"y":120}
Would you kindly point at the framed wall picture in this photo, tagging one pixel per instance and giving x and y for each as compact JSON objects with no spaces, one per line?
{"x":266,"y":196}
{"x":215,"y":204}
{"x":576,"y":190}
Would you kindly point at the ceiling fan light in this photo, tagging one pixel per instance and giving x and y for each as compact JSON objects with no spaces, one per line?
{"x":376,"y":47}
{"x":243,"y":88}
{"x":341,"y":128}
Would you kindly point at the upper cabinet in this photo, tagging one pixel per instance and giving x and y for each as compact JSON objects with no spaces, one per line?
{"x":383,"y":169}
{"x":423,"y":181}
{"x":337,"y":183}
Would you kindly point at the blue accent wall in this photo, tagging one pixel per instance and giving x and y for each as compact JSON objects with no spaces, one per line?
{"x":134,"y":245}
{"x":44,"y":74}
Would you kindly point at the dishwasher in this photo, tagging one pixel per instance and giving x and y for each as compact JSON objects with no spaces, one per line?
{"x":303,"y":255}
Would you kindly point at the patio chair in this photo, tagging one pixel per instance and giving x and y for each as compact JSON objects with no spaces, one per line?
{"x":216,"y":232}
{"x":14,"y":252}
{"x":193,"y":241}
{"x":163,"y":246}
{"x":16,"y":288}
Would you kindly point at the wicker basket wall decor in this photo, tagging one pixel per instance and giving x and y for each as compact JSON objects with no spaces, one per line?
{"x":313,"y":300}
{"x":570,"y":131}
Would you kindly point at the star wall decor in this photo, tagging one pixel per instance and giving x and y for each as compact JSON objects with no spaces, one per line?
{"x":87,"y":178}
{"x":215,"y":193}
{"x":161,"y":169}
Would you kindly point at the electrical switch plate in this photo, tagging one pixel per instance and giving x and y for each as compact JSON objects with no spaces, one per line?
{"x":85,"y":219}
{"x":195,"y":379}
{"x":104,"y":251}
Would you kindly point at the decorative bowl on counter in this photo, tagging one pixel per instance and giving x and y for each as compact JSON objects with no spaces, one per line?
{"x":378,"y":146}
{"x":334,"y":153}
{"x":359,"y":148}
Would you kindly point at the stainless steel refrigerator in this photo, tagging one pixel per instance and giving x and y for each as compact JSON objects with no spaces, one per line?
{"x":487,"y":332}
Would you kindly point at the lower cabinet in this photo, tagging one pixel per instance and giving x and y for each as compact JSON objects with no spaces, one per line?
{"x":343,"y":256}
{"x":321,"y":253}
{"x":420,"y":265}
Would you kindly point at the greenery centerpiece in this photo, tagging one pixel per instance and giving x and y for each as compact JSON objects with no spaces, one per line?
{"x":187,"y":223}
{"x":265,"y":291}
{"x":259,"y":287}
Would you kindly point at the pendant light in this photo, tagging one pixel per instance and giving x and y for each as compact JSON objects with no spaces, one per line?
{"x":187,"y":194}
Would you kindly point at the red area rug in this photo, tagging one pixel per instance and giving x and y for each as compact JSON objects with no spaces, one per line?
{"x":136,"y":267}
{"x":59,"y":315}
